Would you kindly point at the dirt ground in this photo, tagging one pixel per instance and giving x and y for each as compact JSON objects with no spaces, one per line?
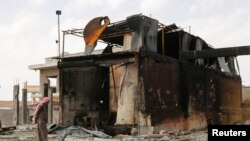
{"x":28,"y":133}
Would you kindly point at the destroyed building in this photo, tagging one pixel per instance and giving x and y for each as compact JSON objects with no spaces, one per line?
{"x":162,"y":78}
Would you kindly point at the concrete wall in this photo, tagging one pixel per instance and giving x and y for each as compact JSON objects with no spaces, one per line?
{"x":127,"y":112}
{"x":47,"y":73}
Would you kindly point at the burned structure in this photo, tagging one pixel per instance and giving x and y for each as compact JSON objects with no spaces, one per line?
{"x":162,"y":78}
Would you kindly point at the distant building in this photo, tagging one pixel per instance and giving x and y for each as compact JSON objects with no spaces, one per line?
{"x":6,"y":104}
{"x":6,"y":112}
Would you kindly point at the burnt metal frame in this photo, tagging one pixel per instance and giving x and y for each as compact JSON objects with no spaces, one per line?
{"x":219,"y":52}
{"x":109,"y":32}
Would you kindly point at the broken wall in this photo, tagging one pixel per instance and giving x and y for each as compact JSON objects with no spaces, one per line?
{"x":47,"y":73}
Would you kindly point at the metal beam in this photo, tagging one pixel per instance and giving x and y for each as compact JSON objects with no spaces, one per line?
{"x":115,"y":61}
{"x":220,"y":52}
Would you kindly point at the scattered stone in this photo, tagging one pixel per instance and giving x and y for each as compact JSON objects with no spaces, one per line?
{"x":185,"y":132}
{"x":121,"y":136}
{"x":146,"y":130}
{"x":165,"y":138}
{"x":52,"y":135}
{"x":163,"y":132}
{"x":100,"y":139}
{"x":238,"y":123}
{"x":156,"y":136}
{"x":174,"y":132}
{"x":22,"y":127}
{"x":193,"y":130}
{"x":247,"y":122}
{"x":31,"y":127}
{"x":7,"y":137}
{"x":131,"y":139}
{"x":184,"y":139}
{"x":134,"y":131}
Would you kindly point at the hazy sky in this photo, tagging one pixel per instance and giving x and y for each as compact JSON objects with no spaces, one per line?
{"x":29,"y":28}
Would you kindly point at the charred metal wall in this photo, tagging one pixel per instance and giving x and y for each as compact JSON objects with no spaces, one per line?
{"x":179,"y":95}
{"x":160,"y":90}
{"x":216,"y":93}
{"x":85,"y":98}
{"x":144,"y":32}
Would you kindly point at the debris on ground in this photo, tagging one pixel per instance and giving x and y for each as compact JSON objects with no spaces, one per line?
{"x":75,"y":133}
{"x":63,"y":131}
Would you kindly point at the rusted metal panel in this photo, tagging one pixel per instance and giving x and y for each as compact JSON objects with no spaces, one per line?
{"x":92,"y":32}
{"x":229,"y":99}
{"x":194,"y":121}
{"x":186,"y":96}
{"x":161,"y":84}
{"x":246,"y":95}
{"x":167,"y":99}
{"x":199,"y":88}
{"x":210,"y":91}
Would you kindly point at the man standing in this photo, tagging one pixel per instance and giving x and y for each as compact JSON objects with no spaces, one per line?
{"x":40,"y":117}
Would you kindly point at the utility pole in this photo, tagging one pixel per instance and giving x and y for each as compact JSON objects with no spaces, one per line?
{"x":58,"y":13}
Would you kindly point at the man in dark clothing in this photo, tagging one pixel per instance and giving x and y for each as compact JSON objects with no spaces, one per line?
{"x":40,"y":117}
